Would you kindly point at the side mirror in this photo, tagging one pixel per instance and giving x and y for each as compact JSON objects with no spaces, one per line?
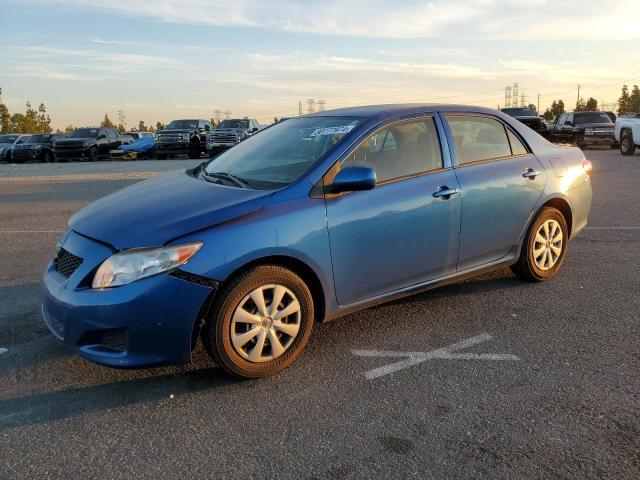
{"x":568,"y":123}
{"x":101,"y":136}
{"x":254,"y":129}
{"x":351,"y":179}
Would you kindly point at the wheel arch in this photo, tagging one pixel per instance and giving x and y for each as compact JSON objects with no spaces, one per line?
{"x":297,"y":266}
{"x":563,"y":206}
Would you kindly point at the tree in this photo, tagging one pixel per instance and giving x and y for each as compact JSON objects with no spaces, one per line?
{"x":142,"y":127}
{"x":159,"y":126}
{"x":591,"y":105}
{"x":69,"y":129}
{"x":634,"y":100}
{"x":532,"y":107}
{"x":5,"y":117}
{"x":557,"y":109}
{"x":107,"y":122}
{"x":581,"y":105}
{"x":624,"y":102}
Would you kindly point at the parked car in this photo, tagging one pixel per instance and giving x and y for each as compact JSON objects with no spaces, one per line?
{"x":137,"y":135}
{"x":314,"y":218}
{"x":583,"y":129}
{"x":529,"y":118}
{"x":143,"y":147}
{"x":229,"y":133}
{"x":183,"y":137}
{"x":37,"y":147}
{"x":627,"y":133}
{"x":6,"y":144}
{"x":88,"y":144}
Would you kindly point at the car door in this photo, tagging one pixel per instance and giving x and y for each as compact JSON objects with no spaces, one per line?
{"x":500,"y":182}
{"x":398,"y":234}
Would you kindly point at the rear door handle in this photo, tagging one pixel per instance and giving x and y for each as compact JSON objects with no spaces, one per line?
{"x":531,"y":173}
{"x":446,"y":192}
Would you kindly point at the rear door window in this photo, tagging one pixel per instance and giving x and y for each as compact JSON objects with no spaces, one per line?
{"x":478,"y":138}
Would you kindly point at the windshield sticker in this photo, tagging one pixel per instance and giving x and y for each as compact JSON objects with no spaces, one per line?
{"x":343,"y":130}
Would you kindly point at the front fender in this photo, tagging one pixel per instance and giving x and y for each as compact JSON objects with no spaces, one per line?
{"x":291,"y":228}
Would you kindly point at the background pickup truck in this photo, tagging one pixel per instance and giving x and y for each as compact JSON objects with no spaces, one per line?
{"x":183,"y":137}
{"x":583,"y":129}
{"x":89,"y":143}
{"x":229,"y":133}
{"x":627,"y":133}
{"x":529,"y":118}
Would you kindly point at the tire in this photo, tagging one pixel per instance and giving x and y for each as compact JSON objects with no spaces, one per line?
{"x":161,"y":156}
{"x":194,"y":150}
{"x":93,"y":154}
{"x":222,"y":334}
{"x":627,"y":147}
{"x":538,"y":267}
{"x":47,"y":157}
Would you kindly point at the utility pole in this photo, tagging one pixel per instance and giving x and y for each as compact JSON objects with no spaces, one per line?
{"x":226,"y":113}
{"x":578,"y":100}
{"x":538,"y":104}
{"x":122,"y":118}
{"x":217,"y":115}
{"x":299,"y":109}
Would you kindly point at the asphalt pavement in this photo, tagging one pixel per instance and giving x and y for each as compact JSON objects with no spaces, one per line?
{"x":535,"y":380}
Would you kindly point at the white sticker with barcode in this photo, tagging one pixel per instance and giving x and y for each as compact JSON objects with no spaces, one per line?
{"x":342,"y":130}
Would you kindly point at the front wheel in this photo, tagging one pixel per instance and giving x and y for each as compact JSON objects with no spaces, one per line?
{"x":260,"y":322}
{"x":544,"y":248}
{"x":627,"y":147}
{"x":47,"y":157}
{"x":93,"y":154}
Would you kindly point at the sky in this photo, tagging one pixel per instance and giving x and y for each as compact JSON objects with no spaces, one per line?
{"x":157,"y":60}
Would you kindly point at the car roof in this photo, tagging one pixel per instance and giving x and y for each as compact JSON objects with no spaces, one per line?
{"x":399,"y":109}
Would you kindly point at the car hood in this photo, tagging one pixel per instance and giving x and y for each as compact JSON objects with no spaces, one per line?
{"x":594,"y":125}
{"x":143,"y":144}
{"x":74,"y":141}
{"x":175,"y":131}
{"x":158,"y":210}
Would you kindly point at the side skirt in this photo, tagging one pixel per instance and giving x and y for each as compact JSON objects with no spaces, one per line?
{"x":506,"y":261}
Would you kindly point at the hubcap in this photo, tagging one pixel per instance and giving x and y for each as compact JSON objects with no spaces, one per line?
{"x":265,"y":323}
{"x":547,"y":245}
{"x":625,"y":144}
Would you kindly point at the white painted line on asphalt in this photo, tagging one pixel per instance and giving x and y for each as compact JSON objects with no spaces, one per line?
{"x":612,"y":228}
{"x":3,"y":350}
{"x":30,"y":231}
{"x":446,"y":353}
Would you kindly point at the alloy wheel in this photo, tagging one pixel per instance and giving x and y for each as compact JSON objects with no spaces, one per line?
{"x":265,"y":323}
{"x":547,"y":245}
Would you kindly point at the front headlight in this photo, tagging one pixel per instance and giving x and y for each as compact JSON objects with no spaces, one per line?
{"x":132,"y":265}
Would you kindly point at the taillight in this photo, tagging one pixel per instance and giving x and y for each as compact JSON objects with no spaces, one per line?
{"x":587,"y":166}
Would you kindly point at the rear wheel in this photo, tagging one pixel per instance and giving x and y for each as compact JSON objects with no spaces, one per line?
{"x":627,"y":147}
{"x":544,"y":248}
{"x":47,"y":157}
{"x":260,"y":322}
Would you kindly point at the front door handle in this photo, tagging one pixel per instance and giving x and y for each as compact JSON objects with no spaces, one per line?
{"x":531,"y":173}
{"x":446,"y":192}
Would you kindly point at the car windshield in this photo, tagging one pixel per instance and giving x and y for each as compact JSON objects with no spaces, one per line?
{"x":592,"y":117}
{"x":519,"y":112}
{"x":23,"y":139}
{"x":39,"y":139}
{"x":281,"y":154}
{"x":182,"y":124}
{"x":8,"y":138}
{"x":234,"y":124}
{"x":85,"y":133}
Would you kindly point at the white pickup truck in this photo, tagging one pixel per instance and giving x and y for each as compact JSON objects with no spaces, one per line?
{"x":627,"y":133}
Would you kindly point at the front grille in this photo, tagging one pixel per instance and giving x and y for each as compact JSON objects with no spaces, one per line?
{"x":22,"y":154}
{"x":223,"y":137}
{"x":67,"y":263}
{"x":163,"y":138}
{"x":115,"y":339}
{"x":68,"y":151}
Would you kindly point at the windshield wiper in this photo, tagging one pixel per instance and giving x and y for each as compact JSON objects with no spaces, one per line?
{"x":227,"y":176}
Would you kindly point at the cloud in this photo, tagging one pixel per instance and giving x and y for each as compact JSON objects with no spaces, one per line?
{"x":538,"y":20}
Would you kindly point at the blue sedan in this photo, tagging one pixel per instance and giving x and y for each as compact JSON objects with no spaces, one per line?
{"x":310,"y":219}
